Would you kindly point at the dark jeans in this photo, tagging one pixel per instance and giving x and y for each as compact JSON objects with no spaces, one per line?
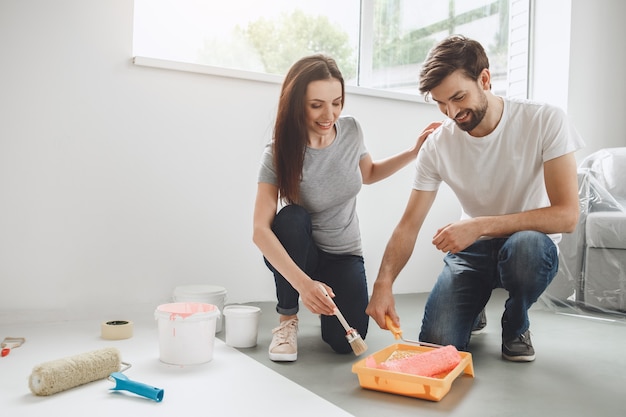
{"x":345,"y":274}
{"x":524,"y":264}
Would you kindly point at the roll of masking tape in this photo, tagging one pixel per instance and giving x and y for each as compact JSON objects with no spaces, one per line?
{"x":116,"y":330}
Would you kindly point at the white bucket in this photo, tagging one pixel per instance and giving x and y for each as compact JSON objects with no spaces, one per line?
{"x":242,"y":325}
{"x":186,"y":332}
{"x":201,"y":293}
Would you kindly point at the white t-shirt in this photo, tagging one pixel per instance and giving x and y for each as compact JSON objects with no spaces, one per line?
{"x":501,"y":173}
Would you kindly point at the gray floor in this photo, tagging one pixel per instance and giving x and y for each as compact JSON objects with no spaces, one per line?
{"x":580,"y":369}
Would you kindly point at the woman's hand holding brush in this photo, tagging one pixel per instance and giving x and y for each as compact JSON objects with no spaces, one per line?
{"x":352,"y":336}
{"x":315,"y":297}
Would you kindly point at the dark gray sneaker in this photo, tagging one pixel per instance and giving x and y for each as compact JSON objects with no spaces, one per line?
{"x":480,"y":323}
{"x":519,"y":349}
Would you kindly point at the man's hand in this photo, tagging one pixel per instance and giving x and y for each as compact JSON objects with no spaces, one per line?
{"x":457,"y":236}
{"x":381,"y":304}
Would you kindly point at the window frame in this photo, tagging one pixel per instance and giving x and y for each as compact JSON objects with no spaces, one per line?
{"x":519,"y":45}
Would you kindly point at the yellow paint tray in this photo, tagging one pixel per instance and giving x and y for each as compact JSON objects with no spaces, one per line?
{"x":427,"y":388}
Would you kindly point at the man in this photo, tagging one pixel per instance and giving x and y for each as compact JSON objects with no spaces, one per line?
{"x":511,"y":164}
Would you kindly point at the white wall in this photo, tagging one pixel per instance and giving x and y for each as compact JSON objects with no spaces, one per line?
{"x":119,"y":182}
{"x":596,"y":74}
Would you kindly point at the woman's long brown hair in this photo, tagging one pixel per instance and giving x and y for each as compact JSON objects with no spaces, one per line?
{"x":290,"y":131}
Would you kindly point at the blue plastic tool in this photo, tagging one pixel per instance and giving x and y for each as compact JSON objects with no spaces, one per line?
{"x":122,"y":383}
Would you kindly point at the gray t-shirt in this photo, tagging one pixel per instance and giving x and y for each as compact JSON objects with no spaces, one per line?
{"x":331,"y":180}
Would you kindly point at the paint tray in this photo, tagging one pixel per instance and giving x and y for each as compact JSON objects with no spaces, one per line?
{"x":427,"y":388}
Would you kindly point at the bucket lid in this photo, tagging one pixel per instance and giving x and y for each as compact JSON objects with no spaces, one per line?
{"x":199,"y":289}
{"x":241,"y":310}
{"x":186,"y":311}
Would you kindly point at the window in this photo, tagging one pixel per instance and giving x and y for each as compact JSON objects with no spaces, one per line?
{"x":378,"y":44}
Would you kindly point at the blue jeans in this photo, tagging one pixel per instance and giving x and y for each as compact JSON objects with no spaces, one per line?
{"x":345,"y":274}
{"x":524,"y":264}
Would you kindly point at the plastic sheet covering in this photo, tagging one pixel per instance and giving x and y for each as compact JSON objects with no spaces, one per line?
{"x":591,"y":280}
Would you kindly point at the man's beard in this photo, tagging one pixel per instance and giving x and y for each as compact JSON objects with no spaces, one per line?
{"x":475,"y":116}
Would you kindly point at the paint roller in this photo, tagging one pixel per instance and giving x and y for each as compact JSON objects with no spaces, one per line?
{"x":62,"y":374}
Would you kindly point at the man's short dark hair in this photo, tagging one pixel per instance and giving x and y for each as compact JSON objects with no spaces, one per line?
{"x":456,"y":52}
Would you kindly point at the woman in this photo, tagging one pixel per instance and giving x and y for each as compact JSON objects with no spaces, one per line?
{"x":315,"y":166}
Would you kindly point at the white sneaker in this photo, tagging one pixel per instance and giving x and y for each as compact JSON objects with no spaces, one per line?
{"x":284,"y":346}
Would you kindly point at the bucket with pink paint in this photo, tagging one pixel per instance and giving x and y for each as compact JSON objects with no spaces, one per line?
{"x":186,"y":332}
{"x":203,"y":293}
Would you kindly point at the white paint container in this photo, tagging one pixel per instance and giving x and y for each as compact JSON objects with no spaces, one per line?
{"x":186,"y":332}
{"x":242,"y":325}
{"x":202,"y":293}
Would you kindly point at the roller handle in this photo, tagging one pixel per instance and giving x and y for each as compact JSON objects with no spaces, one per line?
{"x":122,"y":383}
{"x":397,"y":332}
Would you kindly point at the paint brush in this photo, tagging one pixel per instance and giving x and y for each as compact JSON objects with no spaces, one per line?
{"x":352,"y":336}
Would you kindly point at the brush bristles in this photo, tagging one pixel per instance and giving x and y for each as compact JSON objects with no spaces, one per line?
{"x":358,"y":346}
{"x":356,"y":342}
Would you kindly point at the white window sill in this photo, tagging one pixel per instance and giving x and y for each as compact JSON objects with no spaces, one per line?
{"x":261,"y":77}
